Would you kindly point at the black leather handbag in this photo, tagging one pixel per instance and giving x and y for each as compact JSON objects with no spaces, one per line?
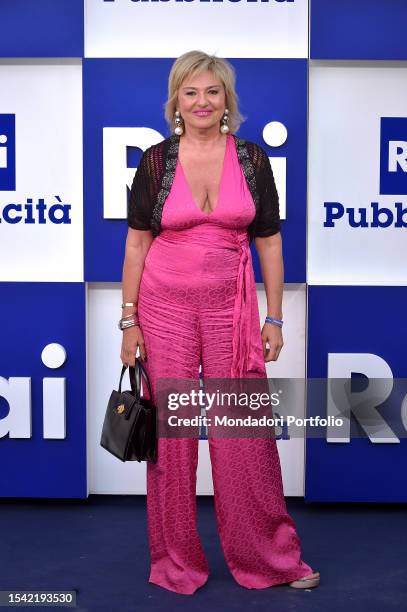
{"x":130,"y":425}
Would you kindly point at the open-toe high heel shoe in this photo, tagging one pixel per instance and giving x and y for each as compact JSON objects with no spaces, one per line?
{"x":312,"y":580}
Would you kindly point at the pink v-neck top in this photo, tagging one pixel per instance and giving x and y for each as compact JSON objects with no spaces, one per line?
{"x":198,"y":253}
{"x":234,"y":208}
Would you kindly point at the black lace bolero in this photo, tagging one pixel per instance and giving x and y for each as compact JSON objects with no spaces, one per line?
{"x":155,"y":174}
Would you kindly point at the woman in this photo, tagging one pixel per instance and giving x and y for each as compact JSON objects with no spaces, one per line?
{"x":197,"y":201}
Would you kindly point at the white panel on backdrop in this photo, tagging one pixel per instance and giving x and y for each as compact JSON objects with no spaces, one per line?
{"x":111,"y":476}
{"x":290,"y":364}
{"x":106,"y":473}
{"x":42,"y":220}
{"x":122,"y":28}
{"x":347,"y":104}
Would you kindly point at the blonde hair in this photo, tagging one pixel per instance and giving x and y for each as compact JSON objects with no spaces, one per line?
{"x":193,"y":63}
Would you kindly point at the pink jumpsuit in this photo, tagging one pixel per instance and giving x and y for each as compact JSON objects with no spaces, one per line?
{"x":198,"y":305}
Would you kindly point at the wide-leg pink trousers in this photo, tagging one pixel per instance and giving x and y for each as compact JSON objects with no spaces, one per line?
{"x":258,"y":537}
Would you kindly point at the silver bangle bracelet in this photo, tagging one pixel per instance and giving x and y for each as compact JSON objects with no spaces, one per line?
{"x":125,"y":324}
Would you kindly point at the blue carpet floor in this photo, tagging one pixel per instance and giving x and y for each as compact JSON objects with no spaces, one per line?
{"x":99,"y":548}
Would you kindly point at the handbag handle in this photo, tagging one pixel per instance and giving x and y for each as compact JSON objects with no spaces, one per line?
{"x":141,"y":370}
{"x":135,"y":379}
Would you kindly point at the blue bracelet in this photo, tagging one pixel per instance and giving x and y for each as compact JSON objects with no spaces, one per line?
{"x":278,"y":322}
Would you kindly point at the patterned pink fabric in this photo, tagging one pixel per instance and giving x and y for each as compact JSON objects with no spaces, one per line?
{"x":198,"y":304}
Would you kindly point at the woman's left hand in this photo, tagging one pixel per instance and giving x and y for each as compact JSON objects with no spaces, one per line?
{"x":272,"y":335}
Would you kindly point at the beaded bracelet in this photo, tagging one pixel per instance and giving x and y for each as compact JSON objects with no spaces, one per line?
{"x":278,"y":322}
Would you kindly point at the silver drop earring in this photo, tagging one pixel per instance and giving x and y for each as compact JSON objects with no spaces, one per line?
{"x":224,"y":128}
{"x":178,"y":124}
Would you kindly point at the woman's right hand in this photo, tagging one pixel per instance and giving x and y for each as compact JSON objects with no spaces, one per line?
{"x":132,"y":339}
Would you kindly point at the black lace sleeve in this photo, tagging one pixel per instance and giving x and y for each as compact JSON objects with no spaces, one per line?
{"x":268,"y":222}
{"x":139,"y":203}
